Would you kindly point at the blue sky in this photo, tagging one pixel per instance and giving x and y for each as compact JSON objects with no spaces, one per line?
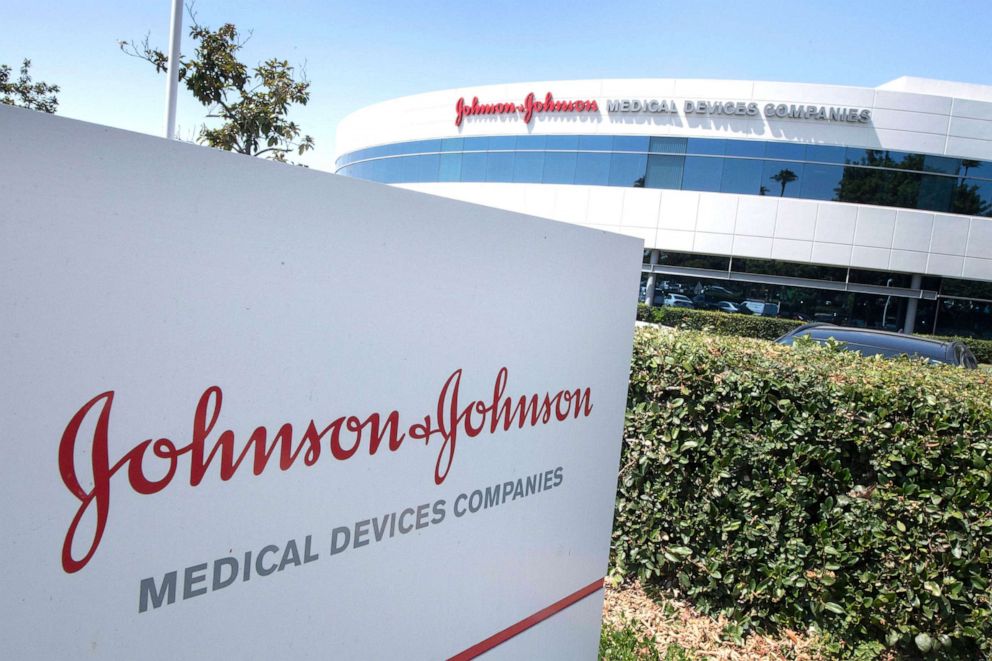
{"x":360,"y":53}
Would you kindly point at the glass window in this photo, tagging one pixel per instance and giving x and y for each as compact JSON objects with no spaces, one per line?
{"x":628,"y":170}
{"x":475,"y":144}
{"x":502,"y":142}
{"x":664,"y":172}
{"x":782,"y":178}
{"x":936,"y":192}
{"x":499,"y":166}
{"x":972,"y":197}
{"x":473,"y":167}
{"x":974,"y":169}
{"x":792,"y":269}
{"x":820,"y":182}
{"x":531,"y":142}
{"x":595,"y":142}
{"x":388,"y":170}
{"x":880,"y":278}
{"x":695,"y":261}
{"x":942,"y":164}
{"x":967,"y":289}
{"x":667,"y":145}
{"x":752,"y":148}
{"x":424,"y":168}
{"x":707,"y":146}
{"x":702,"y":173}
{"x":528,"y":167}
{"x":452,"y":144}
{"x":741,"y":175}
{"x":630,"y":143}
{"x":592,"y":169}
{"x":450,"y":167}
{"x":563,"y":142}
{"x":559,"y":168}
{"x":418,"y":147}
{"x":856,"y":155}
{"x":790,"y":151}
{"x":825,"y":154}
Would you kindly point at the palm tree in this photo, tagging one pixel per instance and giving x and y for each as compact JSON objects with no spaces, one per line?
{"x":967,"y":165}
{"x":784,"y":177}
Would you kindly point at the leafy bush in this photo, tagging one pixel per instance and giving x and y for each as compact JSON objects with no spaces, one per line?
{"x":722,"y":323}
{"x":632,"y":643}
{"x":768,"y":328}
{"x":796,"y":486}
{"x":981,"y":348}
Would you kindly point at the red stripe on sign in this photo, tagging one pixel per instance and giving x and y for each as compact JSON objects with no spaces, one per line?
{"x":526,"y":623}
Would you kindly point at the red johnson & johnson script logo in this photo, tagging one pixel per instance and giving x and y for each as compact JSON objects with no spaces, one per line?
{"x":529,"y":107}
{"x":343,"y":437}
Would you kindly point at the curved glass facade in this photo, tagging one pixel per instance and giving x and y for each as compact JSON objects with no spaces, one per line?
{"x":749,"y":167}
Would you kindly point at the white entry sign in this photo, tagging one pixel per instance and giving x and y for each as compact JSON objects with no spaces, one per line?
{"x":251,"y":411}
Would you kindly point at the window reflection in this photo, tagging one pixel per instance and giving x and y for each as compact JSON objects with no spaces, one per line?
{"x":748,"y":167}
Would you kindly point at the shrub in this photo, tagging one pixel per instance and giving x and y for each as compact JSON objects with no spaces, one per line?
{"x":981,"y":348}
{"x":768,"y":328}
{"x":797,"y":486}
{"x":722,"y":323}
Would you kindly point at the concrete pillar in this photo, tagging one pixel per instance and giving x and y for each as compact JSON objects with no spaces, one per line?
{"x":649,"y":288}
{"x":910,"y":324}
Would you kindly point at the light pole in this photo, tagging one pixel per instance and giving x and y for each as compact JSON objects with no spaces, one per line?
{"x":888,"y":299}
{"x":172,"y":75}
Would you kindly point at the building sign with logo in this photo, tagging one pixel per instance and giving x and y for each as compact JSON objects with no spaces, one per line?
{"x":532,"y":107}
{"x":692,"y":108}
{"x":256,"y":411}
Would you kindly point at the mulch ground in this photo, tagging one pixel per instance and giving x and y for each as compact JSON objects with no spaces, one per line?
{"x":673,"y":621}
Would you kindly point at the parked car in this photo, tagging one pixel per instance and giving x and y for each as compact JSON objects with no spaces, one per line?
{"x":677,"y":301}
{"x":869,"y":342}
{"x":727,"y":306}
{"x":762,"y":308}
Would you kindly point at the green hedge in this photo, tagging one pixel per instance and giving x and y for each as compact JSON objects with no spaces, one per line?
{"x":768,"y":328}
{"x":723,"y":323}
{"x":792,"y":486}
{"x":981,"y":348}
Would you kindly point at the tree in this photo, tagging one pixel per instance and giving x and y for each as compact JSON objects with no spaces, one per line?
{"x":26,"y":94}
{"x":784,"y":177}
{"x":250,"y":104}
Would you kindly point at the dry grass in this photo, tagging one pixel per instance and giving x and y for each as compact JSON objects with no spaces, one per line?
{"x":671,"y":621}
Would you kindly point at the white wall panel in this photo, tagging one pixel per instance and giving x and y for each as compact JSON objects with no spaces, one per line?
{"x":980,"y":238}
{"x":836,"y":223}
{"x":796,"y":219}
{"x":875,"y":227}
{"x":756,"y":216}
{"x":946,"y":265}
{"x":678,"y":210}
{"x":640,"y":207}
{"x":915,"y":102}
{"x":977,"y":268}
{"x":752,"y":246}
{"x":790,"y":250}
{"x":913,"y":230}
{"x":605,"y":205}
{"x":908,"y":261}
{"x":676,"y":240}
{"x":950,"y":234}
{"x":717,"y":213}
{"x":713,"y":244}
{"x":870,"y":258}
{"x":838,"y":254}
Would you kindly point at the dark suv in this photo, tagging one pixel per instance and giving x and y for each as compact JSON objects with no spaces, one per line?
{"x":869,"y":342}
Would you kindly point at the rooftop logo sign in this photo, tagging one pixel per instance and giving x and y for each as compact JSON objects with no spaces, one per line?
{"x":735,"y":108}
{"x":527,"y":109}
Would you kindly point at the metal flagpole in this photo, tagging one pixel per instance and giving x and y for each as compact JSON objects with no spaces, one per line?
{"x":172,"y":75}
